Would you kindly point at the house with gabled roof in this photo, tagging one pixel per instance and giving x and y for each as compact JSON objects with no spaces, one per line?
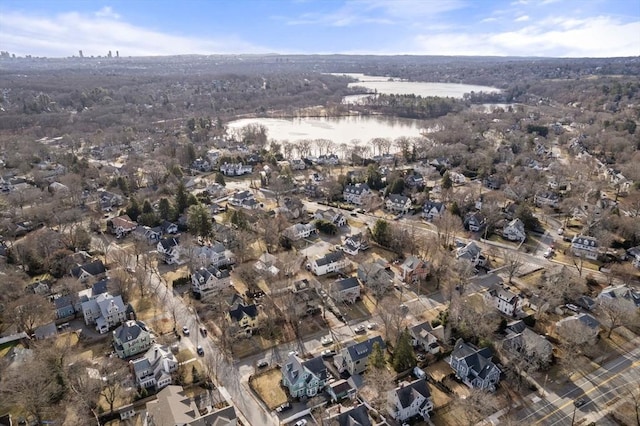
{"x":94,"y":270}
{"x":426,"y":337}
{"x":173,"y":407}
{"x":214,"y":254}
{"x":357,"y":415}
{"x":235,"y":169}
{"x":330,"y":262}
{"x":474,"y":366}
{"x":409,"y":400}
{"x":470,"y":252}
{"x":331,"y":215}
{"x":209,"y":281}
{"x":121,"y":226}
{"x":475,"y":221}
{"x":244,"y":316}
{"x":547,"y":198}
{"x":356,"y":193}
{"x":502,"y":299}
{"x":354,"y":358}
{"x":304,"y":378}
{"x":131,"y":338}
{"x":514,"y":230}
{"x":154,"y":368}
{"x":397,"y":203}
{"x":340,"y":389}
{"x":169,"y":250}
{"x":585,"y":246}
{"x":432,"y":210}
{"x":354,"y":244}
{"x":620,"y":292}
{"x":147,"y":234}
{"x":588,"y":326}
{"x":345,"y":290}
{"x":376,"y":275}
{"x":300,"y":230}
{"x":414,"y":269}
{"x":105,"y":311}
{"x":522,"y":341}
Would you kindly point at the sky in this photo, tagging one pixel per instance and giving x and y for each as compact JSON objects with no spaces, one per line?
{"x":547,"y":28}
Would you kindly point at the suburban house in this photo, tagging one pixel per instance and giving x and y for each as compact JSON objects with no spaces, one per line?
{"x":410,"y":400}
{"x":89,"y":271}
{"x":244,"y":316}
{"x":244,"y":199}
{"x":620,"y":292}
{"x":494,"y":182}
{"x":168,"y":227}
{"x":351,"y":416}
{"x":105,"y":311}
{"x":300,"y":230}
{"x":330,"y":262}
{"x":169,"y":250}
{"x":297,"y":164}
{"x":148,"y":235}
{"x":92,"y":292}
{"x":414,"y":269}
{"x":235,"y":169}
{"x":214,"y":254}
{"x":340,"y":389}
{"x":414,"y":180}
{"x":634,"y":254}
{"x":201,"y":165}
{"x":546,"y":198}
{"x":586,"y":324}
{"x":354,"y":358}
{"x":503,"y":299}
{"x":332,"y":216}
{"x":524,"y":342}
{"x":376,"y":275}
{"x":121,"y":226}
{"x":131,"y":338}
{"x":109,"y":200}
{"x":346,"y":290}
{"x":514,"y":231}
{"x":64,"y":306}
{"x":475,"y":221}
{"x":356,"y":194}
{"x":355,"y":243}
{"x":425,"y":337}
{"x":474,"y":366}
{"x":304,"y":378}
{"x":173,"y":407}
{"x":208,"y":281}
{"x":398,"y":203}
{"x":154,"y":368}
{"x":583,"y":246}
{"x":470,"y":252}
{"x":432,"y":210}
{"x":267,"y":263}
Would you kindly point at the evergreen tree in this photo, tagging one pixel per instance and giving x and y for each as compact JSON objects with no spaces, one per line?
{"x":403,"y":356}
{"x":146,"y":207}
{"x":447,"y":183}
{"x":220,"y":179}
{"x":376,"y":359}
{"x":133,"y":210}
{"x":182,"y":199}
{"x":199,"y":221}
{"x":164,"y":209}
{"x":381,"y":233}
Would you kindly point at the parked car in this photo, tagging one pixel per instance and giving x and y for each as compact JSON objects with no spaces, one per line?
{"x":372,"y":326}
{"x":360,"y":329}
{"x":203,"y":331}
{"x":185,"y":330}
{"x":548,"y":252}
{"x":200,"y":350}
{"x":326,"y":340}
{"x":301,"y":422}
{"x":560,"y":231}
{"x":328,"y":353}
{"x":572,"y":307}
{"x":293,"y":353}
{"x":284,"y":407}
{"x":579,"y":402}
{"x":262,"y":363}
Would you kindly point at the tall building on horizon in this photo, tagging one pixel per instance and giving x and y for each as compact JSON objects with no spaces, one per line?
{"x":80,"y":53}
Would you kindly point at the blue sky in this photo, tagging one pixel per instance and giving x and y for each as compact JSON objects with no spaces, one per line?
{"x":558,"y":28}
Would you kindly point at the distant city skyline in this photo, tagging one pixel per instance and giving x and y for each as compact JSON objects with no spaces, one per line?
{"x":547,"y":28}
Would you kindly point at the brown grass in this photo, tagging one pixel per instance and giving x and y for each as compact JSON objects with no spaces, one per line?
{"x":267,"y":386}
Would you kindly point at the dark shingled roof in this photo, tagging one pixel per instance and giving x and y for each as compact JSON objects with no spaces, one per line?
{"x":238,"y":311}
{"x":93,"y":268}
{"x":363,"y":349}
{"x":409,"y":393}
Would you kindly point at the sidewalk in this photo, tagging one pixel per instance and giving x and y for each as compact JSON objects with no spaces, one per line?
{"x":229,"y":400}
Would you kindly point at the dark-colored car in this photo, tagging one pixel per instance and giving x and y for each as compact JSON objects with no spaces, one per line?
{"x":185,"y":330}
{"x":200,"y":350}
{"x":579,"y":402}
{"x":203,"y":331}
{"x":262,"y":363}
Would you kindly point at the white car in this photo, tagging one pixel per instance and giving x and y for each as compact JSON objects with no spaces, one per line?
{"x":302,"y":422}
{"x":372,"y":326}
{"x":293,"y":353}
{"x":548,"y":253}
{"x":360,"y":329}
{"x":326,"y":340}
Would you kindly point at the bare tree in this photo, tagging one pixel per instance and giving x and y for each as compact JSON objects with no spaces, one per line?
{"x":448,"y":225}
{"x":477,"y":406}
{"x":377,"y":384}
{"x":113,"y":374}
{"x":392,"y":317}
{"x":513,"y":263}
{"x":617,"y":312}
{"x":31,"y":311}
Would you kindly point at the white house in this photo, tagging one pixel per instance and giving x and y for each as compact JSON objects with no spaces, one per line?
{"x":345,"y":290}
{"x":235,"y":169}
{"x":409,"y":400}
{"x":332,"y":216}
{"x":244,"y":199}
{"x":471,"y":252}
{"x":504,"y":300}
{"x":169,"y":250}
{"x":330,"y":262}
{"x":356,"y":194}
{"x":546,"y":198}
{"x":154,"y":368}
{"x":432,"y":210}
{"x":300,"y":230}
{"x":426,"y":337}
{"x":514,"y":230}
{"x":211,"y":280}
{"x":398,"y":203}
{"x":105,"y":311}
{"x":214,"y":254}
{"x":583,"y":246}
{"x":354,"y":243}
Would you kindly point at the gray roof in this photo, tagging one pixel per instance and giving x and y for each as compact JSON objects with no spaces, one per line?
{"x":356,"y":416}
{"x":130,"y":330}
{"x":585,"y":241}
{"x":502,"y":293}
{"x":346,"y":284}
{"x":238,"y":311}
{"x":410,"y":392}
{"x":92,"y":268}
{"x":211,"y":271}
{"x":363,"y":349}
{"x":356,"y":189}
{"x":478,"y":360}
{"x":329,"y":258}
{"x":295,"y":367}
{"x":398,"y":199}
{"x":168,"y":243}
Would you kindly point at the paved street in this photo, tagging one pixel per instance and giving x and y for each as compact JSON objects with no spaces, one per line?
{"x":597,"y":389}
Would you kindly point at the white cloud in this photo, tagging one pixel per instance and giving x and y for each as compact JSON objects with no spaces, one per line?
{"x":97,"y":33}
{"x":595,"y":37}
{"x":522,"y":18}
